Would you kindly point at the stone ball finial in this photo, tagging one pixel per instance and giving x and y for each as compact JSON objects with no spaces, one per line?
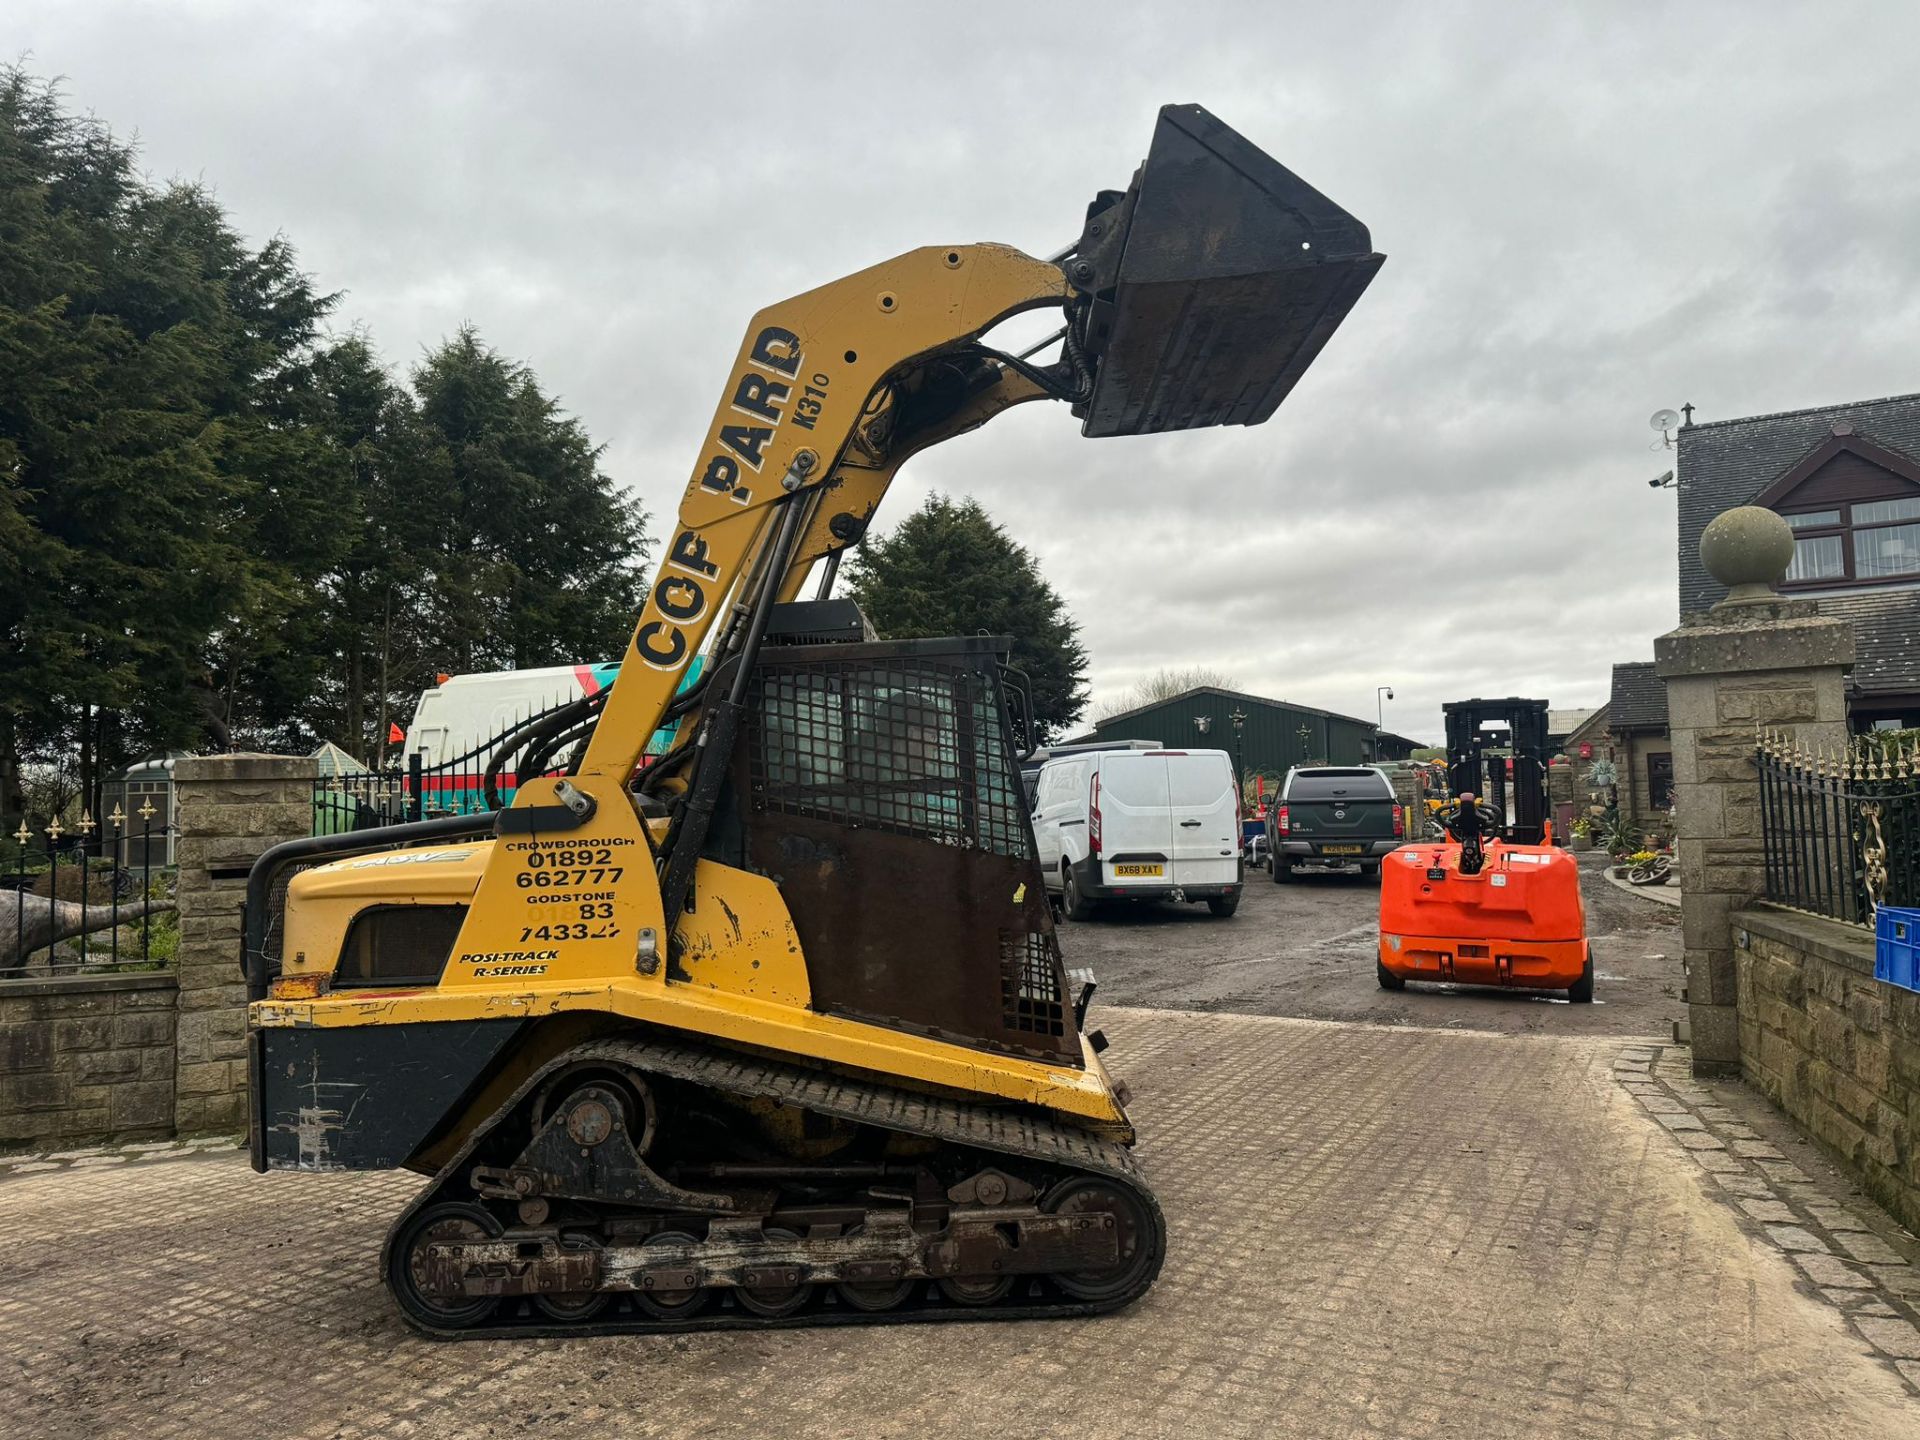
{"x":1748,"y":550}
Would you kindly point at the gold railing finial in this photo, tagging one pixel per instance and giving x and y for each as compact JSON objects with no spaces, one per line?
{"x":1873,"y":854}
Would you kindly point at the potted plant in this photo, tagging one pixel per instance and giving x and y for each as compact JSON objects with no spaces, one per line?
{"x":1620,"y":838}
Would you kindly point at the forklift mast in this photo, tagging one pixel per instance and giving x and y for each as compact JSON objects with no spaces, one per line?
{"x":1475,"y":727}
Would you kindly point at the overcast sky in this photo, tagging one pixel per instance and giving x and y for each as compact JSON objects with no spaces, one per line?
{"x":1589,"y":212}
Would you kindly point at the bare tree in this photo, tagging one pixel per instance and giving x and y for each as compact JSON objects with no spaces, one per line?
{"x":1165,"y":685}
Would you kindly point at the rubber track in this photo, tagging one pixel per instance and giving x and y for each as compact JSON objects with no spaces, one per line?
{"x":1025,"y":1133}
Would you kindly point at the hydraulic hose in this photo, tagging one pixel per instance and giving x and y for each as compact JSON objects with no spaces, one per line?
{"x":713,"y":748}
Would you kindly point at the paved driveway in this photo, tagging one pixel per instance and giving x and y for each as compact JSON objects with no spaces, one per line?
{"x":1375,"y":1231}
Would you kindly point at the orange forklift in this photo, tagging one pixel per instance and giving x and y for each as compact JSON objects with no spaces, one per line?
{"x":1496,"y":902}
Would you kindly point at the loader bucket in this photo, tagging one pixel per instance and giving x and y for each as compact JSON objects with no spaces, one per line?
{"x":1216,"y":280}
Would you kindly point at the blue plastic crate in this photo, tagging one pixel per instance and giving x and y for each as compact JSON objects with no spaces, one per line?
{"x":1896,"y":951}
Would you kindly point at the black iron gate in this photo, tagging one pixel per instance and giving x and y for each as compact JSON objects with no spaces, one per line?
{"x":1840,"y":829}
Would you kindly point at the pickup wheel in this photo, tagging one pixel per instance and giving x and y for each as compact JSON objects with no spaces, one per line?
{"x":1370,"y":869}
{"x":1077,"y":906}
{"x":1282,"y":870}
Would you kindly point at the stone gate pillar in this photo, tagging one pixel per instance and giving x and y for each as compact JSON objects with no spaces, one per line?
{"x":1753,"y":660}
{"x":232,"y":807}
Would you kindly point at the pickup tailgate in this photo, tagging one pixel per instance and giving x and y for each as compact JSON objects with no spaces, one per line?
{"x":1339,"y":812}
{"x":1338,"y":820}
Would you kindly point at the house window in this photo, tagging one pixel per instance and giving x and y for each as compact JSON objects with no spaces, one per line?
{"x":1659,"y":781}
{"x":1817,"y":557}
{"x":1870,"y":540}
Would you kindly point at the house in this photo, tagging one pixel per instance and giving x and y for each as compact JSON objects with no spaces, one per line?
{"x":1847,"y":479}
{"x":1561,"y":724}
{"x":1585,"y":738}
{"x":1641,"y":752}
{"x":1273,"y":736}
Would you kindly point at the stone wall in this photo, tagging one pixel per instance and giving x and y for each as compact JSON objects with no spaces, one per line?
{"x":1836,"y":1049}
{"x":232,"y":807}
{"x":85,"y":1058}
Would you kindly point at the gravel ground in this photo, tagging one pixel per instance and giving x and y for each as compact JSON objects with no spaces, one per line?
{"x":1308,"y":949}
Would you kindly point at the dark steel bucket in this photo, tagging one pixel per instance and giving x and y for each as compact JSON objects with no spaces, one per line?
{"x":1216,"y":279}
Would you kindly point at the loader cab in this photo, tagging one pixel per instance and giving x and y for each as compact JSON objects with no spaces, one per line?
{"x":877,"y":784}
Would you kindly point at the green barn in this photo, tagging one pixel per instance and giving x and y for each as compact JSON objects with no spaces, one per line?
{"x":1272,"y":737}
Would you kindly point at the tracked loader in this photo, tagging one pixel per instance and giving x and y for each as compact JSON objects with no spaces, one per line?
{"x":774,"y":1030}
{"x":1496,"y":902}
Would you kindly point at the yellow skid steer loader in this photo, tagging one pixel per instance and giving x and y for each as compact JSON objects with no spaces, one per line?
{"x":773,"y":1028}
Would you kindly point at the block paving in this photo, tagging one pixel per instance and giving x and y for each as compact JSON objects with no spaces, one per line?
{"x":1375,"y":1231}
{"x":1864,"y":1274}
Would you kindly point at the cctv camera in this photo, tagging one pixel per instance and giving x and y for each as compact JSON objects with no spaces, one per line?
{"x":1389,"y":693}
{"x":1653,"y":484}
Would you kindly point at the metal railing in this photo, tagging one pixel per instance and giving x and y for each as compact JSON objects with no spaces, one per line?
{"x":372,"y":799}
{"x":89,"y":900}
{"x":1840,"y":828}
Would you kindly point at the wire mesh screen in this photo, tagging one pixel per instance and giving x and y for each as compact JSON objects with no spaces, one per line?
{"x":906,"y":744}
{"x":1031,"y":991}
{"x":277,"y":911}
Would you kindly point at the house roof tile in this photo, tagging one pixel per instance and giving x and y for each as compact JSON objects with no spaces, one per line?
{"x":1638,"y":699}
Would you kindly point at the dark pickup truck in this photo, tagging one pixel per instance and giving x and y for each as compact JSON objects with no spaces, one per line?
{"x":1333,"y":815}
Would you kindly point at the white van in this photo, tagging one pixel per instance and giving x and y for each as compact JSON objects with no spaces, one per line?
{"x":1139,"y":825}
{"x":464,"y":713}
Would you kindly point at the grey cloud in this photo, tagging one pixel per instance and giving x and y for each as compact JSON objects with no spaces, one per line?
{"x":1590,"y":212}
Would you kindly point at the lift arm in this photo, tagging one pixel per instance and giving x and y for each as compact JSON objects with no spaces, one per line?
{"x":1196,"y":297}
{"x":797,"y":420}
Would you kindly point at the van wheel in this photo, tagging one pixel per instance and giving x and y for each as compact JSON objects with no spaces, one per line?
{"x":1077,"y":906}
{"x":1388,"y":980}
{"x":1581,"y":991}
{"x":1223,"y":905}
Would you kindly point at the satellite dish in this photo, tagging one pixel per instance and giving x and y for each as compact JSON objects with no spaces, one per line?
{"x":1663,"y":420}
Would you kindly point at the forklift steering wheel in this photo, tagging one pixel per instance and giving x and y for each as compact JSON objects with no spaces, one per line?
{"x":1448,"y":818}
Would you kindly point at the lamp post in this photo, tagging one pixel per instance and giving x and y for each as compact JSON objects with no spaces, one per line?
{"x":1238,"y":718}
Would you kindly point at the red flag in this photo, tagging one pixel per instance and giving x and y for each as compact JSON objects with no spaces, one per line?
{"x":395,"y":735}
